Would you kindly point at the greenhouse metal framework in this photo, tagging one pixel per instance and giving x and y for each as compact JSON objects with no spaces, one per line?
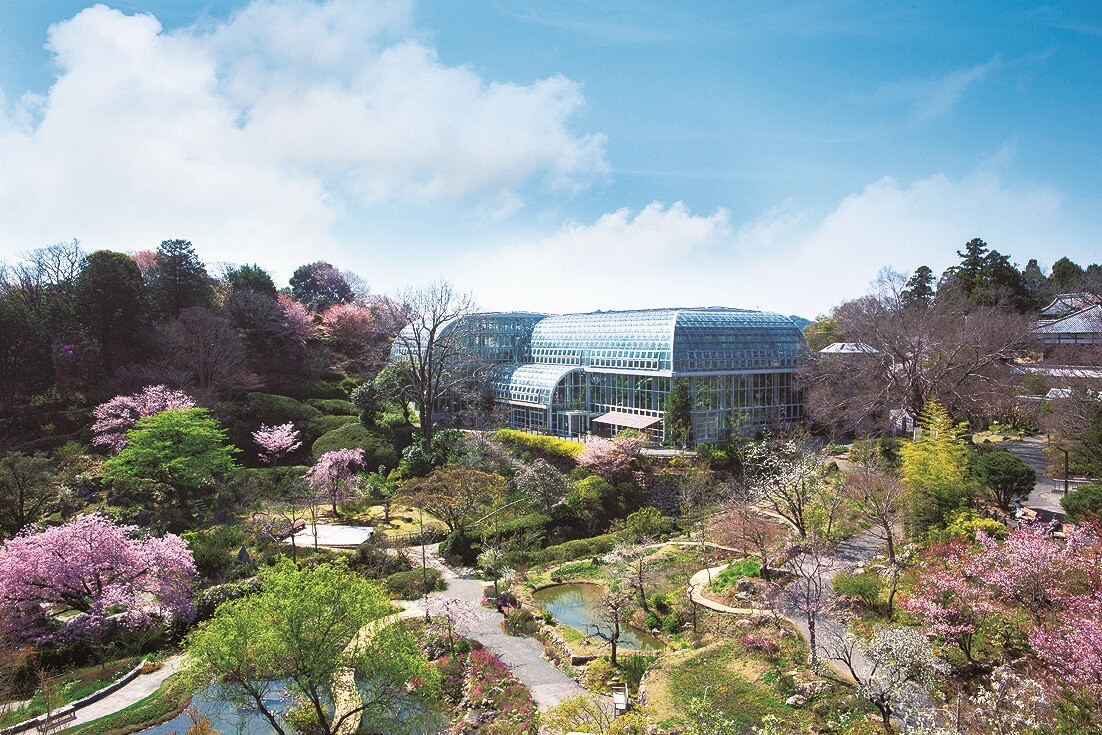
{"x":576,"y":374}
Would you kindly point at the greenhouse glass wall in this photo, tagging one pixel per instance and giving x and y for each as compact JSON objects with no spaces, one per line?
{"x":576,"y":374}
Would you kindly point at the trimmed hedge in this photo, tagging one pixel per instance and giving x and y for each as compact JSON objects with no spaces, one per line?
{"x":414,"y":583}
{"x":272,"y":409}
{"x":580,"y":548}
{"x":377,"y":450}
{"x":548,"y":445}
{"x":332,"y":406}
{"x":325,"y":424}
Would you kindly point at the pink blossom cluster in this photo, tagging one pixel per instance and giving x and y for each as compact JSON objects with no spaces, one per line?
{"x":336,"y":474}
{"x":298,"y":319}
{"x":610,"y":457}
{"x":276,"y":442}
{"x":349,"y":324}
{"x":1056,"y":582}
{"x":117,"y":416}
{"x":97,"y":568}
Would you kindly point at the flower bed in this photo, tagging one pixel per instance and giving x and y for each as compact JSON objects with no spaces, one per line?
{"x":491,"y":687}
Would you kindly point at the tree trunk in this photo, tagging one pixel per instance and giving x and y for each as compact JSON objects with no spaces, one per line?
{"x":889,"y":538}
{"x":426,"y":428}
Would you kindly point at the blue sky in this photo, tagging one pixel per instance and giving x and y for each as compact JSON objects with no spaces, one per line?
{"x":559,"y":155}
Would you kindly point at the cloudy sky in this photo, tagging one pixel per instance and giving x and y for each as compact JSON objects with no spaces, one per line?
{"x":559,"y":155}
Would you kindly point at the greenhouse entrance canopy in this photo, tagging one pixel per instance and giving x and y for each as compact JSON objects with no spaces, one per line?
{"x":628,"y":420}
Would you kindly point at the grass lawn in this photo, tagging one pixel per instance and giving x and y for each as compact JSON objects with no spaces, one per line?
{"x":403,"y":519}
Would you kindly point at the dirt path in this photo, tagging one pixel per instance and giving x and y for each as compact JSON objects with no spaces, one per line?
{"x":524,"y":656}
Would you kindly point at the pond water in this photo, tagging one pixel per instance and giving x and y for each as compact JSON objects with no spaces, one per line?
{"x":407,"y":718}
{"x":580,"y":605}
{"x":224,"y":716}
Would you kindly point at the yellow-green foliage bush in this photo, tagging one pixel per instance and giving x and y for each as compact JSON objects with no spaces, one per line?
{"x":539,"y":443}
{"x":964,"y":526}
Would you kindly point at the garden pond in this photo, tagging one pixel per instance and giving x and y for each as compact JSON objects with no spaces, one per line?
{"x":579,"y":605}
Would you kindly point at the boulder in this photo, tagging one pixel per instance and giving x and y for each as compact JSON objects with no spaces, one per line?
{"x":796,"y":700}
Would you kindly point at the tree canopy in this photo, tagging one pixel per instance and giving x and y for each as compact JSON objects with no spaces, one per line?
{"x":304,"y":630}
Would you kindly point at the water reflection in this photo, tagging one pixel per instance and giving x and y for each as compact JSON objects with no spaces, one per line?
{"x":580,"y":605}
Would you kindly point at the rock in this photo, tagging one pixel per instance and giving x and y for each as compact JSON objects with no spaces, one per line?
{"x":796,"y":700}
{"x":812,"y":688}
{"x":744,"y":585}
{"x":473,"y":717}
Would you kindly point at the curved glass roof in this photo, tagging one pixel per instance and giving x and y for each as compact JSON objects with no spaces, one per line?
{"x":677,"y":341}
{"x":490,"y":337}
{"x":527,"y":383}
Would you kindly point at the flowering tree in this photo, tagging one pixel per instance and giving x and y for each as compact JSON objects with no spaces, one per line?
{"x":784,"y":472}
{"x":349,"y":325}
{"x":276,"y":442}
{"x":951,"y":598}
{"x":298,"y":323}
{"x":117,"y":416}
{"x":96,"y":567}
{"x":888,"y":669}
{"x":611,"y":458}
{"x":335,"y":474}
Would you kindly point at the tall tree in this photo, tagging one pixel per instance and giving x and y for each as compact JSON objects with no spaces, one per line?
{"x":178,"y":279}
{"x":431,"y":350}
{"x":252,"y":278}
{"x":784,"y":472}
{"x":678,"y":420}
{"x":936,"y":466}
{"x":319,"y":285}
{"x":173,"y":459}
{"x":955,"y":351}
{"x":111,"y":302}
{"x":26,"y":364}
{"x":27,"y":488}
{"x":920,"y":287}
{"x":1066,"y":275}
{"x":314,"y":632}
{"x":204,"y":350}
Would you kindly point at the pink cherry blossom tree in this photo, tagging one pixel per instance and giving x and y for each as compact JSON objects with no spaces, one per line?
{"x":610,"y":458}
{"x":117,"y":416}
{"x":96,"y":568}
{"x":298,"y":321}
{"x":950,"y":599}
{"x":276,"y":442}
{"x":336,"y":474}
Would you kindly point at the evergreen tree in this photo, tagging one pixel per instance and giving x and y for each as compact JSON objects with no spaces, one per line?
{"x":1066,"y":275}
{"x":936,"y":466}
{"x":920,"y":287}
{"x":111,"y":302}
{"x":319,"y":285}
{"x":178,"y":280}
{"x":679,"y":416}
{"x":252,"y":278}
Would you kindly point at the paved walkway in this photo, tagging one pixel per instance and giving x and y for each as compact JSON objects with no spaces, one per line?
{"x":1048,"y":490}
{"x":524,"y":656}
{"x":134,"y":691}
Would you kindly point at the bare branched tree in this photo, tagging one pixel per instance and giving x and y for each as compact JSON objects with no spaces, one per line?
{"x":880,"y":497}
{"x":951,"y":349}
{"x":431,"y":348}
{"x":783,"y":473}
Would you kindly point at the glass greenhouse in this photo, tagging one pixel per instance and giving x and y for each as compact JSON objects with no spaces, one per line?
{"x":575,"y":374}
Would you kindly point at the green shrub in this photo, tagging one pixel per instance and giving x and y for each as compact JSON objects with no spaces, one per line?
{"x":272,"y":409}
{"x":325,"y":424}
{"x":208,"y":600}
{"x":377,"y":450}
{"x":1084,"y":504}
{"x":633,"y":667}
{"x":963,"y":526}
{"x":730,"y":576}
{"x":547,"y":445}
{"x":332,"y":406}
{"x":865,"y":587}
{"x":305,"y":388}
{"x":596,"y":546}
{"x":414,"y":583}
{"x":647,"y":522}
{"x":519,"y":622}
{"x":215,"y":550}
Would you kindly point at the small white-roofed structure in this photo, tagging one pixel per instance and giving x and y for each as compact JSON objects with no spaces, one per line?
{"x":849,"y":348}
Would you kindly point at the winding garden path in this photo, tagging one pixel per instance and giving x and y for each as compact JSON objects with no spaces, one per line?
{"x":132,"y":692}
{"x":462,"y":601}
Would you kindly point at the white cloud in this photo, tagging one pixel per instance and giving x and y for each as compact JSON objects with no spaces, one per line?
{"x":790,"y":261}
{"x":937,"y":97}
{"x":253,"y":136}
